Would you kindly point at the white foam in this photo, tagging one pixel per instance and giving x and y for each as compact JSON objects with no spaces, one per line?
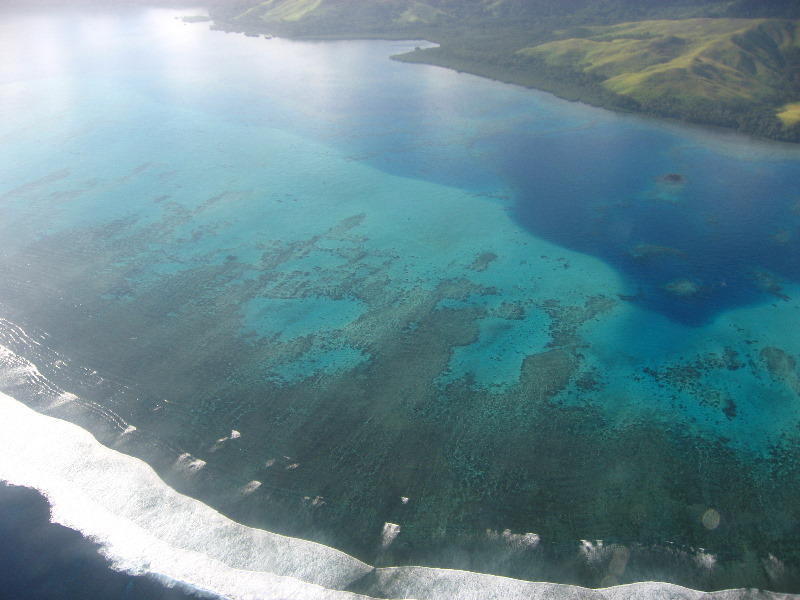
{"x":423,"y":583}
{"x":705,"y":560}
{"x":389,"y":533}
{"x":774,"y":567}
{"x":144,"y":526}
{"x":67,"y":397}
{"x":250,"y":487}
{"x":18,"y":371}
{"x":218,"y":444}
{"x":593,"y":551}
{"x":188,"y":464}
{"x":519,"y":541}
{"x":234,"y":435}
{"x":11,"y":331}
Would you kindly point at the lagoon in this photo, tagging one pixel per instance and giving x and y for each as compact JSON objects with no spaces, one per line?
{"x":399,"y":315}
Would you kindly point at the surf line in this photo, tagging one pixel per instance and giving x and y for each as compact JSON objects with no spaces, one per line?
{"x":145,"y":527}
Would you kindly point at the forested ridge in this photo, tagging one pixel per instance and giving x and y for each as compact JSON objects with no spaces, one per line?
{"x":731,"y":63}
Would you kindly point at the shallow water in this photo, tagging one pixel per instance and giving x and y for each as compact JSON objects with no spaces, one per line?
{"x":417,"y":316}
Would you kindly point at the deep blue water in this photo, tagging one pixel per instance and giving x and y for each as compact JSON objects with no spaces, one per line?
{"x":658,"y":216}
{"x":40,"y":560}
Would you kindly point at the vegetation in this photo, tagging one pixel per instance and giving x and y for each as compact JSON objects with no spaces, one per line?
{"x":732,"y":63}
{"x":790,"y":114}
{"x":731,"y":72}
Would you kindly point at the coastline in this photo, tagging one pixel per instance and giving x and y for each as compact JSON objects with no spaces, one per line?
{"x":565,"y":83}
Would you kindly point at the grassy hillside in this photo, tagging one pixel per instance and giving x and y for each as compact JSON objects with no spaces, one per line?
{"x":384,"y":14}
{"x":719,"y":63}
{"x":275,"y":10}
{"x":320,"y":17}
{"x":717,"y":59}
{"x":444,"y":17}
{"x":696,"y":60}
{"x":790,"y":114}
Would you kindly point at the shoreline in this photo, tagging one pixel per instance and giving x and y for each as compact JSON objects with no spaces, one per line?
{"x":564,"y":89}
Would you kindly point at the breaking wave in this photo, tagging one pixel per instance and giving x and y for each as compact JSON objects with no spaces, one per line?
{"x":143,"y":526}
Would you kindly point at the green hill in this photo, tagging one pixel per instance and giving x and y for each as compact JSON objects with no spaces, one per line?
{"x":734,"y":63}
{"x":709,"y":58}
{"x":731,"y":64}
{"x":329,"y":18}
{"x":790,"y":114}
{"x":374,"y":15}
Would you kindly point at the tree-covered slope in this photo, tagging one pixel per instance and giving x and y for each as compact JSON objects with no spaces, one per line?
{"x":734,"y":63}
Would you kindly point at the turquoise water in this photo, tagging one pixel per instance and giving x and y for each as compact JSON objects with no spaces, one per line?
{"x":325,"y":293}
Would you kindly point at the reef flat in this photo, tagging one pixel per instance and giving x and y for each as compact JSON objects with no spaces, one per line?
{"x":410,"y":316}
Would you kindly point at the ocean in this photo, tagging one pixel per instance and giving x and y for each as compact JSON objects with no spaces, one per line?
{"x":290,"y":319}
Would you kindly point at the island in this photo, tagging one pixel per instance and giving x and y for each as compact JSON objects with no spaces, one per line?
{"x":727,"y":63}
